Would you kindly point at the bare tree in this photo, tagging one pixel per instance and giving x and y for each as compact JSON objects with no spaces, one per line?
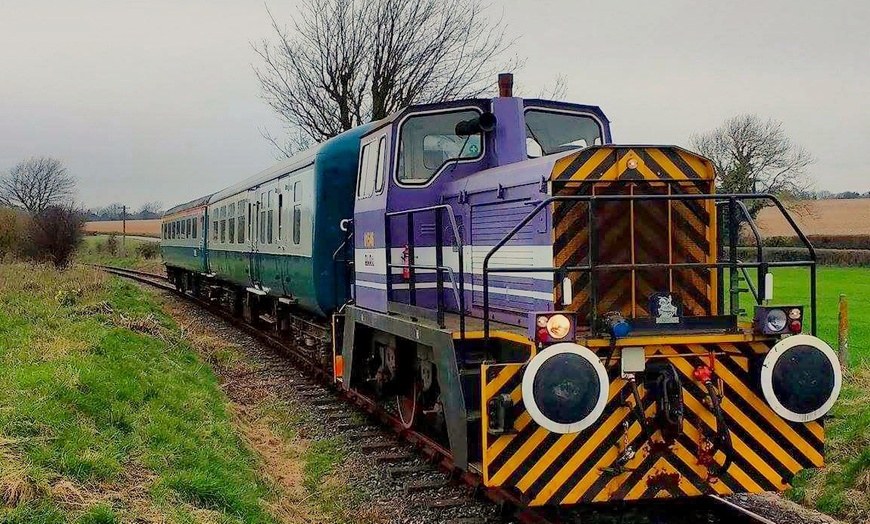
{"x":346,"y":62}
{"x":150,"y":210}
{"x":36,"y":184}
{"x":752,"y":155}
{"x":55,"y":232}
{"x":113,"y":211}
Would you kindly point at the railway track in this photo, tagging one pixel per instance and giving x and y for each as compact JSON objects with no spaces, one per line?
{"x":413,"y":459}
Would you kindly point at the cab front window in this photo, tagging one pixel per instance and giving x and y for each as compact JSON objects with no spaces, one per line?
{"x":427,"y":143}
{"x":549,"y":132}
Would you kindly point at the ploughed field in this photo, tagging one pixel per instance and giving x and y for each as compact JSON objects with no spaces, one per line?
{"x":144,"y":228}
{"x":820,"y":217}
{"x":816,"y":217}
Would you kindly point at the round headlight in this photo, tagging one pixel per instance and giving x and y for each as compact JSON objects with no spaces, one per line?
{"x":541,"y":322}
{"x":801,"y":378}
{"x":558,"y":326}
{"x":776,"y":320}
{"x":565,"y":388}
{"x":794,"y":314}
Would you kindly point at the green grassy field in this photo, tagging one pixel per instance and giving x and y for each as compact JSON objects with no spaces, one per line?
{"x":842,"y":488}
{"x":95,"y":250}
{"x":791,"y":286}
{"x":99,"y":393}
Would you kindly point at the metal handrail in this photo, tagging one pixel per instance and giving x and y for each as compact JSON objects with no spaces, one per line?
{"x":591,"y":267}
{"x":457,"y":242}
{"x":448,"y":269}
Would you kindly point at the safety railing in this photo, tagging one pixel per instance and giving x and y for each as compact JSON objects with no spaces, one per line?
{"x":439,"y":268}
{"x":733,"y":201}
{"x":345,"y":250}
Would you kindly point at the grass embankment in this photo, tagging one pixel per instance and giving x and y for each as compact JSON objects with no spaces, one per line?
{"x":843,"y":487}
{"x":112,"y":411}
{"x":135,"y":254}
{"x":106,"y":413}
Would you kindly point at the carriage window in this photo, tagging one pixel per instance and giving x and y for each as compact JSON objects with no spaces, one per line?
{"x":549,"y":132}
{"x":280,"y":213}
{"x":297,"y":191}
{"x":263,"y":226}
{"x":194,"y":234}
{"x":214,"y":230}
{"x":271,"y":220}
{"x":231,"y":223}
{"x":297,"y":223}
{"x":223,"y":224}
{"x":187,"y":228}
{"x":241,"y":232}
{"x":428,"y":142}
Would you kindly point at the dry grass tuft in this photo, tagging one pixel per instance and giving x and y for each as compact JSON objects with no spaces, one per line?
{"x":17,"y":484}
{"x":281,"y":465}
{"x":146,"y":325}
{"x":219,"y":353}
{"x":55,"y":347}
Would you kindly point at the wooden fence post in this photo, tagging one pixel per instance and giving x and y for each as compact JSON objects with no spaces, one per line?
{"x":843,"y":332}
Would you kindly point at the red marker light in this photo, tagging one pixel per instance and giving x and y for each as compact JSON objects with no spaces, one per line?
{"x":543,"y":336}
{"x":703,"y":374}
{"x":795,"y":326}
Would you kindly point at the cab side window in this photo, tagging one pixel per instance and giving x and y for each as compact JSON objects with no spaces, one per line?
{"x":427,"y":143}
{"x":382,"y":165}
{"x":365,"y":182}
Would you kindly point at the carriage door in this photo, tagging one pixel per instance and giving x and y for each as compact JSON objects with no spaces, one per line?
{"x":257,"y":233}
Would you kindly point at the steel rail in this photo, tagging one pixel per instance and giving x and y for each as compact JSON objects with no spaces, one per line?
{"x":740,"y":510}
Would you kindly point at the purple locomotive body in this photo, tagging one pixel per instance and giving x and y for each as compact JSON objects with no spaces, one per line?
{"x":479,"y":199}
{"x":551,"y":308}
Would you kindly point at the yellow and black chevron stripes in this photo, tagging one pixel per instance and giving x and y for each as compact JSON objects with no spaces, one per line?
{"x":553,"y":469}
{"x":644,"y":232}
{"x":618,"y":163}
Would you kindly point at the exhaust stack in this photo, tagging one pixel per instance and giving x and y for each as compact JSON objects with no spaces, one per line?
{"x":505,"y":85}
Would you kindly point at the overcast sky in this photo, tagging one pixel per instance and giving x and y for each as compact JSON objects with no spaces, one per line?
{"x":157,"y":100}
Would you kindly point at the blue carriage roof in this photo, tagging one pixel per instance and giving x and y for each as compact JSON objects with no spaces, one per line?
{"x":293,"y":163}
{"x":197,"y":202}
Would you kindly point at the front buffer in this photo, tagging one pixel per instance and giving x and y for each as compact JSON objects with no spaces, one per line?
{"x":670,"y":417}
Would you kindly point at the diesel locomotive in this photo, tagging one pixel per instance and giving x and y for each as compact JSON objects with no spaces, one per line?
{"x":574,"y":320}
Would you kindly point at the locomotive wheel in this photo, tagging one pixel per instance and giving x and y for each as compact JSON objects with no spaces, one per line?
{"x":408,"y":406}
